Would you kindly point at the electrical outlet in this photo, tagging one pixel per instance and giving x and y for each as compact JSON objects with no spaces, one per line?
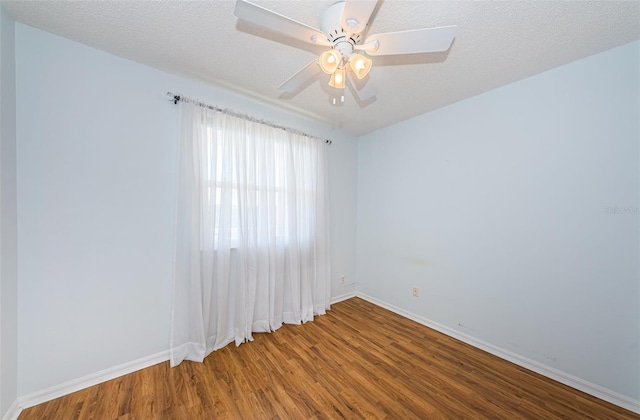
{"x":342,"y":279}
{"x":415,"y":291}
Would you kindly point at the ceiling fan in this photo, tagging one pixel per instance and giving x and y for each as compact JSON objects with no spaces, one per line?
{"x":342,"y":30}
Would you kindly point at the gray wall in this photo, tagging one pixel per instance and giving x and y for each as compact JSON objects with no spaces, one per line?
{"x":8,"y":217}
{"x":97,"y":143}
{"x":501,"y":209}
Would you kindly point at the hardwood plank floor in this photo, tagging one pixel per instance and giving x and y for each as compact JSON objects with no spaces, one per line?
{"x":358,"y":361}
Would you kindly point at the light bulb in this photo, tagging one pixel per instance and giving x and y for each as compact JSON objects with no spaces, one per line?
{"x":360,"y":65}
{"x":329,"y":61}
{"x":337,"y":79}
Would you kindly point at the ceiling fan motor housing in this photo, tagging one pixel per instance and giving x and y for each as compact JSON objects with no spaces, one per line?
{"x":343,"y":39}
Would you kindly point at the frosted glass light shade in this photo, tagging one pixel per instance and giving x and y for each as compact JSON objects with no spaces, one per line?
{"x":338,"y":79}
{"x":360,"y":65}
{"x":330,"y":60}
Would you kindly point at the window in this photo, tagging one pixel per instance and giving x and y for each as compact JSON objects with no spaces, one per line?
{"x":262,"y":190}
{"x":258,"y":186}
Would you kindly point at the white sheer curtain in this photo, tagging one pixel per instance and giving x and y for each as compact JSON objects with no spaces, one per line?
{"x":252,"y":243}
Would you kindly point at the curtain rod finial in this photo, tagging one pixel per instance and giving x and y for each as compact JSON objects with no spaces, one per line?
{"x":175,"y":98}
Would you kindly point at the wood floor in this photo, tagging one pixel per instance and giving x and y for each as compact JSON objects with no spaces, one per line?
{"x":358,"y":361}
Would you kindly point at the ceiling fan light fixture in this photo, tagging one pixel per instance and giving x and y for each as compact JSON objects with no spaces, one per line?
{"x":338,"y":79}
{"x":360,"y":65}
{"x":329,"y":61}
{"x":341,"y":27}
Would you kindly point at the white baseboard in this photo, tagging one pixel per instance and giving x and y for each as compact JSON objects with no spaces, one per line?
{"x":548,"y":371}
{"x":74,"y":385}
{"x":597,"y":391}
{"x":342,"y":297}
{"x":13,"y":412}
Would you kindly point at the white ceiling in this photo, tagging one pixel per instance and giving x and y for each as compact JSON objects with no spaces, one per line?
{"x":496,"y":43}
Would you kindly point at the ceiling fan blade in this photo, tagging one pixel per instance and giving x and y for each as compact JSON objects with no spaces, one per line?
{"x":363,"y":89}
{"x":356,"y":14}
{"x":276,"y":22}
{"x":412,"y":42}
{"x":296,"y":81}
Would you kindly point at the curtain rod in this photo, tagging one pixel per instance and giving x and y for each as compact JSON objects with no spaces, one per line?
{"x":175,"y":98}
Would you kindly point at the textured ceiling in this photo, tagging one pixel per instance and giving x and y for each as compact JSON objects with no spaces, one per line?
{"x":496,"y":43}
